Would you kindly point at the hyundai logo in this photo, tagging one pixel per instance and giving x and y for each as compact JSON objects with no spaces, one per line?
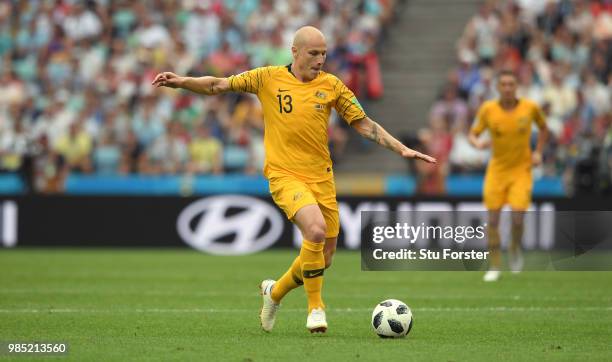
{"x":230,"y":225}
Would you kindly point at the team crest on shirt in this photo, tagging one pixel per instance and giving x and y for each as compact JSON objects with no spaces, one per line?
{"x":298,"y":195}
{"x":320,"y":95}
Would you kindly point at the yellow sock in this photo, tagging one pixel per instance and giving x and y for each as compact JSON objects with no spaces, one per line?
{"x":289,"y":281}
{"x":494,"y":248}
{"x":517,"y":237}
{"x":313,"y":266}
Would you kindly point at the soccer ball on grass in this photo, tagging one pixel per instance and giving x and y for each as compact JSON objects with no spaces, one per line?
{"x":392,"y":318}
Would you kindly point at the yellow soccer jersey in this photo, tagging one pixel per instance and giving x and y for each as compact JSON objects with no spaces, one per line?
{"x":510,"y":133}
{"x":296,"y":117}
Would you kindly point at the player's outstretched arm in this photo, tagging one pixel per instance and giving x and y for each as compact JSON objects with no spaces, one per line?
{"x":375,"y":132}
{"x":203,"y":85}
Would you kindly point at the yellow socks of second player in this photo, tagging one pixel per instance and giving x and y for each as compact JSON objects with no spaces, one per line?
{"x":289,"y":281}
{"x":313,"y":266}
{"x":494,"y":248}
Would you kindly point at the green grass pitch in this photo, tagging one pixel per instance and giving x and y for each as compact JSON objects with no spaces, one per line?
{"x":128,"y":305}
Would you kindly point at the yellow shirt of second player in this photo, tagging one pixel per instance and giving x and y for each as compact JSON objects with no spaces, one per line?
{"x":510,"y":134}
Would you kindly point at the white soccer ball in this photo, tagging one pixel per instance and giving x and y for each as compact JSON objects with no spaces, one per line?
{"x":392,"y":318}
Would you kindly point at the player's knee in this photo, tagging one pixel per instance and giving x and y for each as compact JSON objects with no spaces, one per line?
{"x":316,"y":232}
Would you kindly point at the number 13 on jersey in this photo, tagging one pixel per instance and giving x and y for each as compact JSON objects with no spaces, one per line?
{"x":284,"y":103}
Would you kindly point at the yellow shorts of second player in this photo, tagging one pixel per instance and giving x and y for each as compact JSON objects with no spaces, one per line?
{"x":511,"y":188}
{"x":291,"y":194}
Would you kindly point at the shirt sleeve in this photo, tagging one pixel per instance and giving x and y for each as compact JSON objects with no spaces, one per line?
{"x":347,"y":105}
{"x":538,"y":116}
{"x":480,"y":123}
{"x":250,"y":81}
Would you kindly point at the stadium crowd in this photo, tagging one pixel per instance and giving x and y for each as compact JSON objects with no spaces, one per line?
{"x":76,"y":92}
{"x":561,"y":51}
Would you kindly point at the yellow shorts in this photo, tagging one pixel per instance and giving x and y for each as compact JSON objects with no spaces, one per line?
{"x":512,"y":188}
{"x":291,"y":194}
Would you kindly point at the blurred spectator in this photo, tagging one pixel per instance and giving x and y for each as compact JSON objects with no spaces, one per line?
{"x":147,"y":125}
{"x":528,"y":87}
{"x":277,"y":53}
{"x":580,"y":20}
{"x":463,"y":157}
{"x":483,"y":90}
{"x":450,"y":107}
{"x":560,"y":96}
{"x":483,"y":28}
{"x":81,"y":23}
{"x":201,"y":29}
{"x":150,"y":34}
{"x":468,"y":75}
{"x":550,"y":19}
{"x":131,"y":152}
{"x":13,"y":146}
{"x":75,"y":147}
{"x":237,"y":153}
{"x":49,"y":167}
{"x":167,"y":154}
{"x":554,"y":123}
{"x":13,"y":90}
{"x":597,"y":94}
{"x":205,"y":152}
{"x":107,"y":154}
{"x":224,"y":60}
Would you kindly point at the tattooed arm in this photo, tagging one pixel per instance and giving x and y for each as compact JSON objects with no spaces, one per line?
{"x":374,"y":132}
{"x":202,"y":85}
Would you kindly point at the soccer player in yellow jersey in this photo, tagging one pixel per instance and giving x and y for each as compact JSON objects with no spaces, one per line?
{"x":297,"y":100}
{"x":508,"y":178}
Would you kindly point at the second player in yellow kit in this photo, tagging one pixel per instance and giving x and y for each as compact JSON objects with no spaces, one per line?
{"x":508,"y":179}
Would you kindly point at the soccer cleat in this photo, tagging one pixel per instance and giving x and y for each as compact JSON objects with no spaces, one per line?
{"x":491,"y":275}
{"x":316,"y":322}
{"x":267,"y":315}
{"x":516,"y":261}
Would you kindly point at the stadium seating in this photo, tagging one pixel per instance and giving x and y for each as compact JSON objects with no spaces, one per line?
{"x":77,"y":94}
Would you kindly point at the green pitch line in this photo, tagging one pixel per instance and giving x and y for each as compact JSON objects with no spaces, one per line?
{"x":183,"y":305}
